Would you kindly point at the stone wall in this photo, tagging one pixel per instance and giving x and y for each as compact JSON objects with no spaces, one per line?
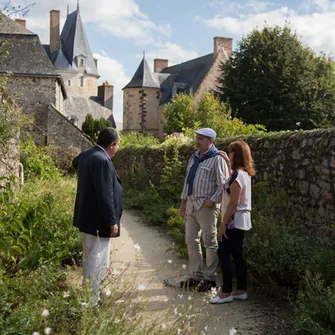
{"x":136,"y":99}
{"x":35,"y":94}
{"x":300,"y":163}
{"x":63,"y":133}
{"x":10,"y":159}
{"x":90,"y":87}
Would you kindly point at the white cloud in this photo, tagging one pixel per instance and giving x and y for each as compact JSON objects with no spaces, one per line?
{"x":173,"y":52}
{"x":252,"y":6}
{"x":314,"y":27}
{"x":121,"y":18}
{"x":113,"y":71}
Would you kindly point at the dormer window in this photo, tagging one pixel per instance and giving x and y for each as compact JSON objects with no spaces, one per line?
{"x":69,"y":83}
{"x":81,"y":63}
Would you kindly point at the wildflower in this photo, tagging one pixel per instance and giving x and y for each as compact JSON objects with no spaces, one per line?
{"x":66,"y":295}
{"x":98,"y":255}
{"x":107,"y":292}
{"x":169,"y":261}
{"x":197,"y":240}
{"x":45,"y":313}
{"x":165,"y":134}
{"x":180,"y":296}
{"x":164,"y":326}
{"x":137,"y":247}
{"x":176,"y":134}
{"x":166,"y":299}
{"x":116,"y":321}
{"x":176,"y":311}
{"x":84,"y":304}
{"x":189,"y":298}
{"x":184,"y":266}
{"x":115,"y":272}
{"x":47,"y":331}
{"x":232,"y":331}
{"x":141,"y":287}
{"x":206,"y":328}
{"x":36,"y":333}
{"x":178,"y":331}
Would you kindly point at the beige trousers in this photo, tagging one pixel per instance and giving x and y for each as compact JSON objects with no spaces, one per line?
{"x":202,"y":224}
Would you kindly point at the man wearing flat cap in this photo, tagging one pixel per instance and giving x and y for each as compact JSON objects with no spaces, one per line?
{"x":200,"y":205}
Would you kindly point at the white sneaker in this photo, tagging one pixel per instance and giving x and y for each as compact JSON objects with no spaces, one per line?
{"x":243,"y":296}
{"x":218,"y":300}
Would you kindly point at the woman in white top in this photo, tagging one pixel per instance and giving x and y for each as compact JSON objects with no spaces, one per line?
{"x":236,"y":207}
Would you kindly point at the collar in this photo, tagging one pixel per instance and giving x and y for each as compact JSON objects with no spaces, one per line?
{"x":97,"y":145}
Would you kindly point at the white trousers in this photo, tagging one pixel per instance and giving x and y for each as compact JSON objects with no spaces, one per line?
{"x":96,"y":252}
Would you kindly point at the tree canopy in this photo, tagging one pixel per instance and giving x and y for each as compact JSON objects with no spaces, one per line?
{"x":274,"y":80}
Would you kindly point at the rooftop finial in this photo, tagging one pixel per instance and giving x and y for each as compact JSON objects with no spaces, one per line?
{"x":143,"y":53}
{"x":77,"y":4}
{"x":68,"y":9}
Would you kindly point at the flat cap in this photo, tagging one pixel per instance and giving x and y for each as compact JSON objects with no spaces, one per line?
{"x":208,"y":132}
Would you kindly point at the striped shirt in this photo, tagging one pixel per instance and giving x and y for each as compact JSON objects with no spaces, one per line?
{"x":208,"y":182}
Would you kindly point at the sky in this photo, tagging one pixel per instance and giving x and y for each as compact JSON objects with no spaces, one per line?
{"x":119,"y":31}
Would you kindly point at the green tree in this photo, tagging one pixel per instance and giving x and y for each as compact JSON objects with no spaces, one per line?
{"x":92,"y":127}
{"x":274,"y":80}
{"x":179,"y":113}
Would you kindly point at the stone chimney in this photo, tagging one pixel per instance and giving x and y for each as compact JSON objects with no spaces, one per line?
{"x":223,"y":42}
{"x":22,"y":22}
{"x":160,"y":64}
{"x":106,"y":94}
{"x":54,"y":30}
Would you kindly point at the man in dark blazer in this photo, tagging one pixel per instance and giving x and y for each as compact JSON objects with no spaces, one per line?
{"x":98,"y":206}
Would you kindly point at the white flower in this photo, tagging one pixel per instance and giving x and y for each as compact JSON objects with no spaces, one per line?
{"x":47,"y":331}
{"x":206,"y":328}
{"x":178,"y":331}
{"x":116,"y":321}
{"x":45,"y":313}
{"x":169,"y":261}
{"x":66,"y":295}
{"x":107,"y":292}
{"x":36,"y":333}
{"x":232,"y":331}
{"x":184,"y":266}
{"x":84,"y":304}
{"x":115,"y":272}
{"x":189,"y":298}
{"x":180,"y":296}
{"x":176,"y":311}
{"x":98,"y":255}
{"x":166,"y":299}
{"x":141,"y":287}
{"x":137,"y":247}
{"x":164,"y":326}
{"x":197,"y":240}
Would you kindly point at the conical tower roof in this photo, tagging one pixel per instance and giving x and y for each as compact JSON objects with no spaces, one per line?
{"x":143,"y":77}
{"x":75,"y":43}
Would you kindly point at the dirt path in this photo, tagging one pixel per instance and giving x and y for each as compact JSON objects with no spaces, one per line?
{"x":152,"y":263}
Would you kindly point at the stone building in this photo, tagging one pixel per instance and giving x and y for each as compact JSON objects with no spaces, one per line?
{"x":148,"y":91}
{"x":58,"y":89}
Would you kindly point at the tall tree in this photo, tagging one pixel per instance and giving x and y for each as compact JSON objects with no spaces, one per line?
{"x":274,"y":80}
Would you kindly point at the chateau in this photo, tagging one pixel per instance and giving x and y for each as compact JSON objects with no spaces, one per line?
{"x":56,"y":84}
{"x":145,"y":96}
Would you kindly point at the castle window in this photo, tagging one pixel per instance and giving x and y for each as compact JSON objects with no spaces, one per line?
{"x":69,"y":83}
{"x":81,"y":63}
{"x":81,"y":81}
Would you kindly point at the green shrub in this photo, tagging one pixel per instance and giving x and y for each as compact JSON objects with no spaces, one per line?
{"x":135,"y":139}
{"x":315,"y":307}
{"x":36,"y":162}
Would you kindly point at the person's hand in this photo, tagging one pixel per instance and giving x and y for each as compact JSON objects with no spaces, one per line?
{"x":114,"y":230}
{"x":222,"y":232}
{"x":182,"y":210}
{"x":224,"y":155}
{"x":208,"y":204}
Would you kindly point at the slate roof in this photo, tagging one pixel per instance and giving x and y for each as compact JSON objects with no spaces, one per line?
{"x":8,"y":26}
{"x":75,"y":43}
{"x":190,"y":73}
{"x":143,"y":77}
{"x":78,"y":106}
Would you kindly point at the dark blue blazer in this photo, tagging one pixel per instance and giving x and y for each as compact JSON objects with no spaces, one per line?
{"x":99,"y":202}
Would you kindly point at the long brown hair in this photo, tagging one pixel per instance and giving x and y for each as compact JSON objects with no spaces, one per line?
{"x":242,"y":157}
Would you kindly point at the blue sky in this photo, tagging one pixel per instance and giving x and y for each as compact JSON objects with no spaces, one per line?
{"x":120,"y":30}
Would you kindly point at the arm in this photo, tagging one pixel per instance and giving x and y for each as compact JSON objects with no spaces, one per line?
{"x":183,"y":196}
{"x":224,"y":155}
{"x":235,"y":197}
{"x":75,"y":162}
{"x":103,"y":184}
{"x":221,"y":174}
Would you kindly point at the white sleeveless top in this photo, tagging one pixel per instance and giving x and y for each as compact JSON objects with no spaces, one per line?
{"x":241,"y":219}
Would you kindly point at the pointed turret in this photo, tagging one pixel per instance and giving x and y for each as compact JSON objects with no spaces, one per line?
{"x":143,"y":77}
{"x":75,"y":44}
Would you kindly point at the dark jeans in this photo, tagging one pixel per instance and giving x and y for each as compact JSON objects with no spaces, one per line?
{"x":233,"y":246}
